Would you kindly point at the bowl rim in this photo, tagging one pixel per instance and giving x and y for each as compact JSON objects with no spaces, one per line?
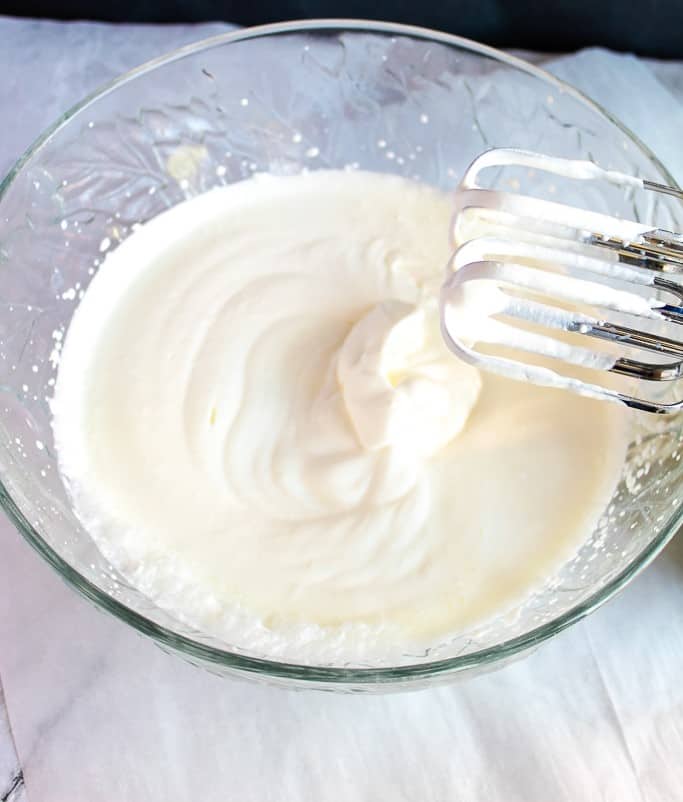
{"x":283,"y":670}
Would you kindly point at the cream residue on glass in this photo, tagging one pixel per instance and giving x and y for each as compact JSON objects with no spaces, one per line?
{"x":261,"y":427}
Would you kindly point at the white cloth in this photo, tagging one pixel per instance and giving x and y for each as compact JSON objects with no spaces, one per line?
{"x":100,"y":714}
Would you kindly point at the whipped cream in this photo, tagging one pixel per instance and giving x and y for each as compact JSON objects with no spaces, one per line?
{"x":399,"y":387}
{"x":260,"y":425}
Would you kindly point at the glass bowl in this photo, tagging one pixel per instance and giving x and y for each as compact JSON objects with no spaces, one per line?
{"x":284,"y":98}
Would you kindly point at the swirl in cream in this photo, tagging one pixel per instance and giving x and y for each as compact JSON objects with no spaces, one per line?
{"x":259,"y":423}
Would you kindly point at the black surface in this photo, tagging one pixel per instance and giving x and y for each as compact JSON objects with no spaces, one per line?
{"x":647,"y":27}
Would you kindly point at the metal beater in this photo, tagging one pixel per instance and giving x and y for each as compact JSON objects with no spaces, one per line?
{"x":555,"y":268}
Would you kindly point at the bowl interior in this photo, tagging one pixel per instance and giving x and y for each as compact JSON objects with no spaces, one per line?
{"x":282,"y":100}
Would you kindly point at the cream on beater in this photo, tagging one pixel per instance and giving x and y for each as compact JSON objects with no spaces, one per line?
{"x":567,"y":274}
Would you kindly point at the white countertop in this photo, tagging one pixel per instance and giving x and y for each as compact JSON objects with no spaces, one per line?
{"x":99,"y":713}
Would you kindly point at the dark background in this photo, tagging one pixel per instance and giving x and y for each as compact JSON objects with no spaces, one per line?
{"x":646,"y":27}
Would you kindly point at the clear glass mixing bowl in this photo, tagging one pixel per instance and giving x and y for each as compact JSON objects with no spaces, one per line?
{"x":282,"y":99}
